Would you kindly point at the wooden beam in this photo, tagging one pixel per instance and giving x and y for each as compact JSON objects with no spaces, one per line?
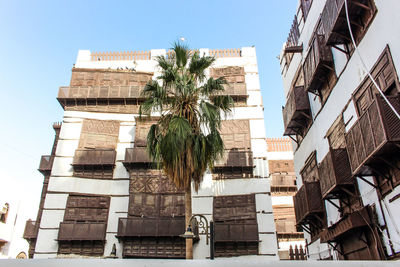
{"x":293,"y":49}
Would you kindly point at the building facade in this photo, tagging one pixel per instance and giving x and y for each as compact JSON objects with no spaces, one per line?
{"x":346,"y":135}
{"x":12,"y":245}
{"x":291,"y":244}
{"x":102,"y":196}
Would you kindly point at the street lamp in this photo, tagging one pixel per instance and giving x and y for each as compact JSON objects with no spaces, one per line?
{"x":201,"y":223}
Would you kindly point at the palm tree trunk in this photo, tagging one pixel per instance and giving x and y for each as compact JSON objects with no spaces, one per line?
{"x":188,"y":214}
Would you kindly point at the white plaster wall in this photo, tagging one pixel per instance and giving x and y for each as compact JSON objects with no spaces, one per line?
{"x":51,"y":218}
{"x":90,"y":186}
{"x":46,"y":242}
{"x":55,"y":201}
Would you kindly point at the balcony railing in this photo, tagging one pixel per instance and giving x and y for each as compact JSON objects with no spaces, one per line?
{"x":140,"y":227}
{"x":335,"y":172}
{"x":334,"y":19}
{"x":46,"y":163}
{"x":71,"y":231}
{"x":317,"y":64}
{"x":99,"y":157}
{"x":351,"y":221}
{"x":236,"y":232}
{"x":118,"y":92}
{"x":296,"y":111}
{"x":136,"y":155}
{"x":308,"y":202}
{"x":233,"y":159}
{"x":374,"y":136}
{"x":31,"y":230}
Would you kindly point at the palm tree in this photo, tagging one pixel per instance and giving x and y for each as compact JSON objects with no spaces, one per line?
{"x":185,"y":140}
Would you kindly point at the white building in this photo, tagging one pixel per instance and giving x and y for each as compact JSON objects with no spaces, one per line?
{"x":12,"y":222}
{"x":100,"y":193}
{"x":346,"y":152}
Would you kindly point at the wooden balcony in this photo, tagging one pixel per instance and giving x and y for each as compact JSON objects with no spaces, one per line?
{"x":142,"y":227}
{"x":31,"y":230}
{"x":374,"y":137}
{"x":296,"y":112}
{"x":92,"y":93}
{"x":236,"y":232}
{"x":308,"y":203}
{"x":97,"y":157}
{"x":317,"y":64}
{"x":235,"y":159}
{"x":46,"y":163}
{"x":334,"y":20}
{"x":136,"y":156}
{"x":234,"y":90}
{"x":77,"y":231}
{"x":349,"y":222}
{"x":335,"y":173}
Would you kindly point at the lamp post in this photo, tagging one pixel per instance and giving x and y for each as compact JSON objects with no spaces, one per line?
{"x":200,"y":222}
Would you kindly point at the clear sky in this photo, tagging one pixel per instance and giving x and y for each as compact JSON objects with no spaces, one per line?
{"x":40,"y":41}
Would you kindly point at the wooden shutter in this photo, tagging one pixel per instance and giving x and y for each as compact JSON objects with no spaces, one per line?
{"x":336,"y":133}
{"x":309,"y":173}
{"x":141,"y":131}
{"x":99,"y":134}
{"x":384,"y":73}
{"x":146,"y":205}
{"x":172,"y":205}
{"x":87,"y":208}
{"x":236,"y":134}
{"x":234,"y":208}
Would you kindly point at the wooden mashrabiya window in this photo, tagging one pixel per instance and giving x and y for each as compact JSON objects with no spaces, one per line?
{"x":236,"y":228}
{"x":96,"y":155}
{"x":237,"y":161}
{"x":156,"y":217}
{"x":83,"y":230}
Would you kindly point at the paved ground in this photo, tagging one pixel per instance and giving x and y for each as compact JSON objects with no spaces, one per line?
{"x":183,"y":263}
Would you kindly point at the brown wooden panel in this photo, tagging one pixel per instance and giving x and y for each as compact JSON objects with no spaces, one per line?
{"x":141,"y":131}
{"x":31,"y":230}
{"x":277,"y":166}
{"x":146,"y":205}
{"x":315,"y":64}
{"x":172,"y":205}
{"x":308,"y":202}
{"x":236,"y":232}
{"x":236,"y":134}
{"x":94,"y":157}
{"x":87,"y":208}
{"x":69,"y":231}
{"x":149,"y":247}
{"x":335,"y":172}
{"x":361,"y":13}
{"x":309,"y":172}
{"x":150,"y":181}
{"x":139,"y":227}
{"x":103,"y":77}
{"x":231,"y":208}
{"x":231,"y":74}
{"x":336,"y":132}
{"x":94,"y":172}
{"x":99,"y":134}
{"x":83,"y":248}
{"x":233,"y":249}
